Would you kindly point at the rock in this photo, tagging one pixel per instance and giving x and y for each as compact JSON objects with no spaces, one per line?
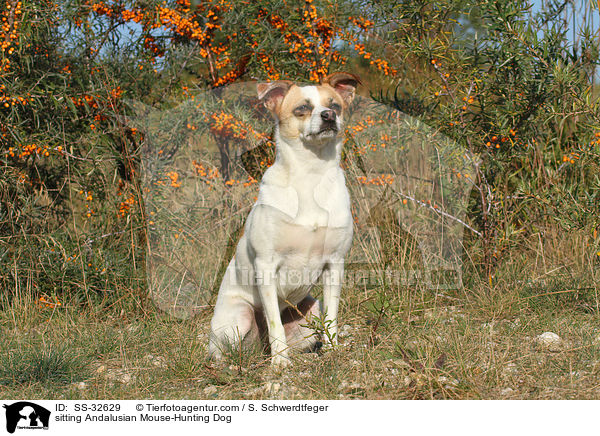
{"x":507,"y":391}
{"x":429,"y":314}
{"x":401,"y":363}
{"x":549,"y":341}
{"x":210,"y":390}
{"x":125,"y":378}
{"x":132,"y":328}
{"x":308,"y":357}
{"x":510,"y":369}
{"x":116,"y":375}
{"x":417,"y":379}
{"x":271,"y":388}
{"x":345,"y":331}
{"x":349,"y":387}
{"x":81,"y":386}
{"x":252,"y":392}
{"x":237,"y":368}
{"x":158,"y":361}
{"x":447,"y":382}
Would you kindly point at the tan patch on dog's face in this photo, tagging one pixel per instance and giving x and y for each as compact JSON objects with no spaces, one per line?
{"x":300,"y":113}
{"x":329,"y":95}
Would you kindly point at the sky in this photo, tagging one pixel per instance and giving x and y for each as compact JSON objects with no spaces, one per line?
{"x":581,"y":7}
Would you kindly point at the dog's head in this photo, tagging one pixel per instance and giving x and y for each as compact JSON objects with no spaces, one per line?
{"x":312,"y":113}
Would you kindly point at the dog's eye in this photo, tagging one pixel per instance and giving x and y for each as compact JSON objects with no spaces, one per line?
{"x":302,"y":110}
{"x":336,"y":107}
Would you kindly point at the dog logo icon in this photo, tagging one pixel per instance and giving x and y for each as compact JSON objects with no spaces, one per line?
{"x":26,"y":415}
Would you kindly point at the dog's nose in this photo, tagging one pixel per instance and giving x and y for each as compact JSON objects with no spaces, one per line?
{"x":328,"y":115}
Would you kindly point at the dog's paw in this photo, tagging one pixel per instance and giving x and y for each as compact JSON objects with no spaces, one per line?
{"x":328,"y":344}
{"x":279,"y":361}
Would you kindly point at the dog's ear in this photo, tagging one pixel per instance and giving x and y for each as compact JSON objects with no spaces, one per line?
{"x":344,"y":83}
{"x":272,"y":93}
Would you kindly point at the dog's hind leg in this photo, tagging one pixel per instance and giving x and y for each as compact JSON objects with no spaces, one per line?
{"x":233,"y":325}
{"x":296,"y":321}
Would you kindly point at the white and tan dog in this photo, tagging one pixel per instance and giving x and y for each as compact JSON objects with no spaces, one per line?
{"x":299,"y":229}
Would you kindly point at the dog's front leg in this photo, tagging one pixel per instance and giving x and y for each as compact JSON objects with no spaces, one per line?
{"x":267,"y":288}
{"x":332,"y":287}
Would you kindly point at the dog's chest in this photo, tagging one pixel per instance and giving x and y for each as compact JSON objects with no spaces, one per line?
{"x":310,"y":220}
{"x":305,"y":244}
{"x":318,"y":227}
{"x":311,"y":201}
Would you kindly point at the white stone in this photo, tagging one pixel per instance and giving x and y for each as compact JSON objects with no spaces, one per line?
{"x":510,"y":369}
{"x":447,"y":382}
{"x":159,"y":362}
{"x":210,"y":390}
{"x":549,"y":341}
{"x":237,"y":368}
{"x":345,"y":331}
{"x":272,"y":387}
{"x":346,"y":387}
{"x":125,"y":378}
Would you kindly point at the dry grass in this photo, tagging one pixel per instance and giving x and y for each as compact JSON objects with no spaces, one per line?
{"x":476,"y":343}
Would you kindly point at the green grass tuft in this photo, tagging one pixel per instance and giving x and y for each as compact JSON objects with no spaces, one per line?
{"x":44,"y":365}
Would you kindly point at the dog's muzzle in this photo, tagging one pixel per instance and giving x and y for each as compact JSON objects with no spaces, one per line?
{"x":329,"y":124}
{"x":328,"y":116}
